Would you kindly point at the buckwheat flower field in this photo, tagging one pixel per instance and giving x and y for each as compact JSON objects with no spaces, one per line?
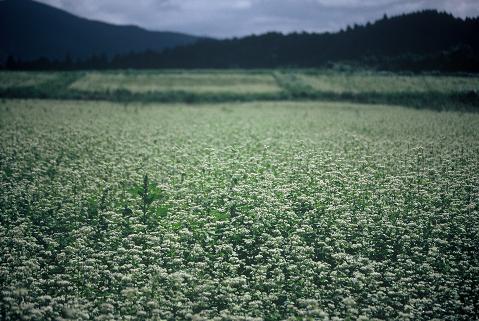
{"x":237,"y":211}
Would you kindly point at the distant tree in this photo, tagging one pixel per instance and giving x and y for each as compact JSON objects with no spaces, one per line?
{"x":11,"y":63}
{"x":67,"y":63}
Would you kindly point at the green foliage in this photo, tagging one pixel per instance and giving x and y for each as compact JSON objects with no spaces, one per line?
{"x":149,"y":193}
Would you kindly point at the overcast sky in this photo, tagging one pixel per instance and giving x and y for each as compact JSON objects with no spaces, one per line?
{"x":228,"y":18}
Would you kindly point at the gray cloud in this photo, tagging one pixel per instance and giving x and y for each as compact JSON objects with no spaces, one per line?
{"x":227,"y":18}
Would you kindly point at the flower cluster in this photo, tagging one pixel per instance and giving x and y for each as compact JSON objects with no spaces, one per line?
{"x":259,"y":211}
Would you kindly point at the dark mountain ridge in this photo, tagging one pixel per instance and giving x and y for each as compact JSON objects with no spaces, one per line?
{"x":418,"y":41}
{"x":420,"y":34}
{"x":30,"y":30}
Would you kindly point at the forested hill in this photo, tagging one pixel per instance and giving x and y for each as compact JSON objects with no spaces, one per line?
{"x":426,"y":40}
{"x":423,"y":37}
{"x":30,"y":30}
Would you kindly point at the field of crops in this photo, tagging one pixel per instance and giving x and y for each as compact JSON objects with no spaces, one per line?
{"x":210,"y":82}
{"x":25,"y":79}
{"x":263,"y":210}
{"x":385,"y":83}
{"x":438,"y":92}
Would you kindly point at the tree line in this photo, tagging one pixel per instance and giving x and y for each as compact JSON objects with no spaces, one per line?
{"x":422,"y":41}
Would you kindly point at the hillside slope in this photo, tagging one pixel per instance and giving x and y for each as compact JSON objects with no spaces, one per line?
{"x":417,"y":34}
{"x":29,"y":30}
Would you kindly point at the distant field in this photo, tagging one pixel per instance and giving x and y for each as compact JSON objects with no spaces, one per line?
{"x":237,"y":211}
{"x":387,"y":83}
{"x":440,"y":92}
{"x":25,"y":79}
{"x":190,"y":82}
